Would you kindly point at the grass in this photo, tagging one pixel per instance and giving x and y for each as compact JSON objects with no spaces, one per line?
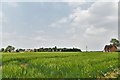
{"x":58,"y":64}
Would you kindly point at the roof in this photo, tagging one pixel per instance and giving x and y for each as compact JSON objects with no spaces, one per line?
{"x":111,"y":45}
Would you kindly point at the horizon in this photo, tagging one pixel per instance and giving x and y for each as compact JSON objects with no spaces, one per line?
{"x":61,"y":24}
{"x":52,"y":47}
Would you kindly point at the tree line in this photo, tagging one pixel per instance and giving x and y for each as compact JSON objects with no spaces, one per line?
{"x":10,"y":48}
{"x":54,"y":49}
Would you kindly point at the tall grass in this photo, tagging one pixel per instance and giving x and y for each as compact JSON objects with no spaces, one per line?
{"x":58,"y":65}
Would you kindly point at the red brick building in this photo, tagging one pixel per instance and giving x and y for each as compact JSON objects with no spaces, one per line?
{"x":110,"y":48}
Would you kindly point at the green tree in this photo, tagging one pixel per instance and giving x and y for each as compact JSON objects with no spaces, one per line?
{"x":55,"y":48}
{"x":115,"y":42}
{"x":2,"y":49}
{"x":9,"y":48}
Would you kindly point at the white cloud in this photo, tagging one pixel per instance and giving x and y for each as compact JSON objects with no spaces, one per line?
{"x":59,"y":0}
{"x":19,"y":41}
{"x":38,"y":38}
{"x":1,"y":17}
{"x":43,"y":0}
{"x":71,"y":30}
{"x":53,"y":25}
{"x":74,"y":4}
{"x":103,"y":8}
{"x":63,"y":20}
{"x":59,"y":22}
{"x":92,"y":24}
{"x":39,"y":31}
{"x":94,"y":27}
{"x":94,"y":31}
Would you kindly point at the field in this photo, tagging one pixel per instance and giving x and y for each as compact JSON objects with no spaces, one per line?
{"x":58,"y":64}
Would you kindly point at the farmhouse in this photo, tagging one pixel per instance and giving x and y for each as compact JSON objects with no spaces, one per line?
{"x":110,"y":48}
{"x":29,"y":50}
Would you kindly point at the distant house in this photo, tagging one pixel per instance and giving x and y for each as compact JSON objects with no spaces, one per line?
{"x":29,"y":50}
{"x":110,"y":48}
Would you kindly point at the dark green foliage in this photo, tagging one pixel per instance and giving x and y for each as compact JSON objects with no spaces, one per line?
{"x":115,"y":41}
{"x":2,"y":50}
{"x":9,"y":48}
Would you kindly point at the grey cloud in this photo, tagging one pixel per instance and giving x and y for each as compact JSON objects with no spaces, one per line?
{"x":103,"y":9}
{"x":92,"y":24}
{"x":94,"y":27}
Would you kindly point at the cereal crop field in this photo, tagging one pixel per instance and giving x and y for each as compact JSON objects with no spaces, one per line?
{"x":58,"y":64}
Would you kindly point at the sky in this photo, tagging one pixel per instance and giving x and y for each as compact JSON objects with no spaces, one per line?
{"x":61,"y":24}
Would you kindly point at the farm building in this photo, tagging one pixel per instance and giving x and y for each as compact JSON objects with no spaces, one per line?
{"x":110,"y":48}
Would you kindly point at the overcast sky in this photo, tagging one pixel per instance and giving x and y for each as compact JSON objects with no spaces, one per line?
{"x":61,"y":24}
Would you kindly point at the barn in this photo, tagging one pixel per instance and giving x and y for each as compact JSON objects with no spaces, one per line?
{"x":110,"y":48}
